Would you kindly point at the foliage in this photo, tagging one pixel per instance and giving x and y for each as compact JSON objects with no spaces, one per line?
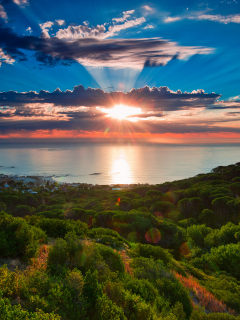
{"x":168,"y":251}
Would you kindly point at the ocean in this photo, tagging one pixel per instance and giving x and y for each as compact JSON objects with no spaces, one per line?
{"x":114,"y":164}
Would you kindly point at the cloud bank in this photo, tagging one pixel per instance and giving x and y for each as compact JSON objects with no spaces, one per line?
{"x":85,"y":113}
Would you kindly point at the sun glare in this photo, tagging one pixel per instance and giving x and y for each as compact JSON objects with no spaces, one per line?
{"x":121,"y":112}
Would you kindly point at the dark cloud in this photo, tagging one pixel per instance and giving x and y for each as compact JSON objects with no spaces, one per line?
{"x":99,"y":124}
{"x":122,"y":53}
{"x":232,"y":114}
{"x":232,"y":104}
{"x":162,"y":99}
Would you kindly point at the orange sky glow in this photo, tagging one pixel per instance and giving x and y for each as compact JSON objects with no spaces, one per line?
{"x":132,"y":137}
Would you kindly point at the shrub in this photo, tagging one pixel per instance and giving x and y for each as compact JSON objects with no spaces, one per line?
{"x":111,"y":258}
{"x":10,"y":312}
{"x":149,"y":251}
{"x":92,"y":290}
{"x":56,"y":228}
{"x":18,"y":239}
{"x":163,"y":207}
{"x":106,"y":309}
{"x":67,"y":252}
{"x":22,"y":211}
{"x":174,"y":291}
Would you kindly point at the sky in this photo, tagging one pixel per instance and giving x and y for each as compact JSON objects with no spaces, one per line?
{"x":120,"y":71}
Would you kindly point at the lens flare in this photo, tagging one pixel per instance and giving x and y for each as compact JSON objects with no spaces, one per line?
{"x":185,"y":249}
{"x":153,"y":235}
{"x":132,"y":236}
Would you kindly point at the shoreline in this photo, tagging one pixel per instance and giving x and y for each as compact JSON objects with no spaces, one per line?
{"x":43,"y":180}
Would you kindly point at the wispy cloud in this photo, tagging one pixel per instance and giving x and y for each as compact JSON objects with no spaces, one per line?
{"x":172,"y":19}
{"x":21,"y":2}
{"x":29,"y":29}
{"x":117,"y":53}
{"x":102,"y":31}
{"x":5,"y":58}
{"x":126,"y":14}
{"x":149,"y":26}
{"x":3,"y":13}
{"x":231,"y":18}
{"x":147,"y":8}
{"x":128,"y":24}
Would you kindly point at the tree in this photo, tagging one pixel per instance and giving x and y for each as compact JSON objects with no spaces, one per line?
{"x":3,"y":206}
{"x":92,"y":290}
{"x":220,"y":206}
{"x":208,"y":217}
{"x":154,"y":194}
{"x":190,"y":206}
{"x":163,"y":207}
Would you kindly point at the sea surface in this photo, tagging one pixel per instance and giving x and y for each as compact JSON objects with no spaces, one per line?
{"x":113,"y":164}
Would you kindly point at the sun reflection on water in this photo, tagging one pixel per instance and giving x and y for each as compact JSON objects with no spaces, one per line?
{"x":121,"y":172}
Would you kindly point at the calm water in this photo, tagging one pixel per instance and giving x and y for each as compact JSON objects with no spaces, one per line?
{"x":107,"y":164}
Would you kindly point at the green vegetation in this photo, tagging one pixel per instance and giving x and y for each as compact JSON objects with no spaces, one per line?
{"x":169,"y":251}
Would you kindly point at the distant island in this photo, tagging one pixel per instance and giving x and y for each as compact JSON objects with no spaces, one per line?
{"x":95,"y":174}
{"x":81,"y":251}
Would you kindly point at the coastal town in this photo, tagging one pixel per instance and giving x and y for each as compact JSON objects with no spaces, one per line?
{"x":32,"y":184}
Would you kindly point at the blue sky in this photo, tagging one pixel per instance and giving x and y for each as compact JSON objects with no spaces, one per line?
{"x":115,"y":47}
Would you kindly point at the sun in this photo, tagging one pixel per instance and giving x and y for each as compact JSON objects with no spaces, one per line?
{"x":122,"y":112}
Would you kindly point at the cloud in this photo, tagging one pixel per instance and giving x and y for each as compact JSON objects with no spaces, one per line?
{"x":235,"y":98}
{"x":147,"y":8}
{"x":156,"y":99}
{"x":100,"y":31}
{"x":231,"y":18}
{"x":45,"y":28}
{"x":170,"y":19}
{"x":60,"y":22}
{"x":226,"y":105}
{"x":46,"y":25}
{"x":5,"y":58}
{"x":117,"y":53}
{"x":3,"y":13}
{"x":29,"y":29}
{"x":81,"y":31}
{"x":232,"y":114}
{"x":85,"y":110}
{"x":128,"y":24}
{"x":126,"y":14}
{"x":21,"y":2}
{"x":149,"y":26}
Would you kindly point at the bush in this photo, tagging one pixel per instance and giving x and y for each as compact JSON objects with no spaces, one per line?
{"x":18,"y":239}
{"x":56,"y":228}
{"x":163,"y":207}
{"x":106,"y":309}
{"x":22,"y":211}
{"x":10,"y":312}
{"x":142,"y":288}
{"x":111,"y":258}
{"x":67,"y":252}
{"x":149,"y":251}
{"x":92,"y":290}
{"x":149,"y":269}
{"x":174,"y":291}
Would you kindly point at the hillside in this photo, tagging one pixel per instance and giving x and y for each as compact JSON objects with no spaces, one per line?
{"x":169,"y":251}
